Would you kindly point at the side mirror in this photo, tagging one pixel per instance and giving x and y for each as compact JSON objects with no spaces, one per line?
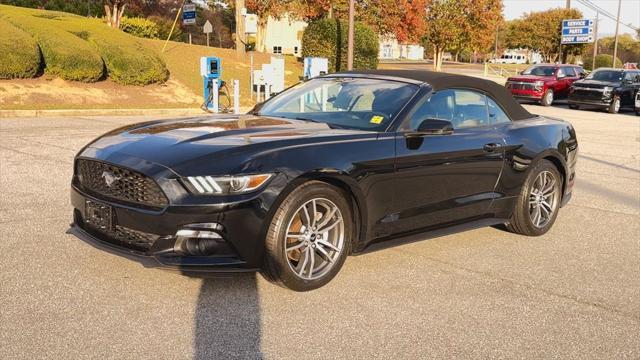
{"x":432,"y":127}
{"x":582,"y":75}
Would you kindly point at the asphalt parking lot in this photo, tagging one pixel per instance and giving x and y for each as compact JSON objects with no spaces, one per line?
{"x":573,"y":293}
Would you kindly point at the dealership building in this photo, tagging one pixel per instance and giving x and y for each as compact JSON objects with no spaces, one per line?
{"x":284,"y":36}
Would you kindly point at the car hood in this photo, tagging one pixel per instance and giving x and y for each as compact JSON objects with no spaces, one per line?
{"x":595,"y":83}
{"x":177,"y":143}
{"x":530,"y":78}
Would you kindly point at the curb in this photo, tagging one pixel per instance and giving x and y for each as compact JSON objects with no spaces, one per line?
{"x":99,"y":112}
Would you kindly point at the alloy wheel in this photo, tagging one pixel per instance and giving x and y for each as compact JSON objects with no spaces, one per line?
{"x":549,"y":96}
{"x":616,"y":105}
{"x":543,"y":199}
{"x":314,"y":238}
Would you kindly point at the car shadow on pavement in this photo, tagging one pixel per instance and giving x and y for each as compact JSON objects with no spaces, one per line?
{"x":227,"y":318}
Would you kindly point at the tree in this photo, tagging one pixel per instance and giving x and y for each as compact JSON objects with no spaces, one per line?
{"x":445,"y":20}
{"x":113,"y":10}
{"x":407,"y":20}
{"x":482,"y":20}
{"x":541,"y":31}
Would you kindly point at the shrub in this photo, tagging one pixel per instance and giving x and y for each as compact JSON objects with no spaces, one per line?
{"x":127,"y":60}
{"x":78,"y":48}
{"x":164,"y":28}
{"x":328,"y":38}
{"x":65,"y":54}
{"x":140,"y":27}
{"x":19,"y":53}
{"x":602,"y":60}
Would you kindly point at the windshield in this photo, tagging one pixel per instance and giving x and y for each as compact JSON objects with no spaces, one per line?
{"x":351,"y":103}
{"x":606,"y":75}
{"x":540,"y":71}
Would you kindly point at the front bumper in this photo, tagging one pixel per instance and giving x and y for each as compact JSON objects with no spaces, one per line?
{"x":241,"y":247}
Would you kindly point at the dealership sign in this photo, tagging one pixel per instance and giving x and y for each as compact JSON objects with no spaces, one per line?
{"x":189,"y":14}
{"x":577,"y":31}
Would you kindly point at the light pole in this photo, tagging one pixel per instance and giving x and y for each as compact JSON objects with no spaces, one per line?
{"x":350,"y":40}
{"x":240,"y":30}
{"x":595,"y":43}
{"x":615,"y":46}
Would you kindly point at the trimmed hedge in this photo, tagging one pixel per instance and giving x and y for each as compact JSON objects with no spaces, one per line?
{"x":602,"y":60}
{"x":78,"y":48}
{"x":140,"y":27}
{"x":329,"y":38}
{"x":17,"y":61}
{"x":65,"y":55}
{"x":127,"y":60}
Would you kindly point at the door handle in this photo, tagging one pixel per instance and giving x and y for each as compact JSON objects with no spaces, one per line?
{"x":491,"y":147}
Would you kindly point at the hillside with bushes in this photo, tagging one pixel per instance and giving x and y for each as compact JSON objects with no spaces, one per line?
{"x":82,"y":53}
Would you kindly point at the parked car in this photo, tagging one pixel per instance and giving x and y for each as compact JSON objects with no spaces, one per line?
{"x":334,"y":166}
{"x":611,"y":89}
{"x":544,"y":83}
{"x":637,"y":103}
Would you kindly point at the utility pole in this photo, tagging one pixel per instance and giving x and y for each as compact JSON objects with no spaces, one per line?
{"x":568,"y":4}
{"x":240,"y":30}
{"x":351,"y":30}
{"x":615,"y":46}
{"x":496,"y":49}
{"x":595,"y":43}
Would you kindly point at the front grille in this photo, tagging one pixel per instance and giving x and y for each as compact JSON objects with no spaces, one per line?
{"x":119,"y":184}
{"x":521,"y":86}
{"x":587,"y":94}
{"x":117,"y":235}
{"x":134,"y":239}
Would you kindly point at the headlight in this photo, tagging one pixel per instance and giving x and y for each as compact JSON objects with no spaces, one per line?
{"x":539,"y":85}
{"x":225,"y":185}
{"x":607,"y":91}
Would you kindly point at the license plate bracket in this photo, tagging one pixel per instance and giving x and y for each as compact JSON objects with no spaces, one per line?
{"x":99,"y":216}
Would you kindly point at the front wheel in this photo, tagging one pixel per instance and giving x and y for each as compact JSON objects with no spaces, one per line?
{"x":614,"y":107}
{"x":538,"y":203}
{"x":309,"y":237}
{"x":547,"y":98}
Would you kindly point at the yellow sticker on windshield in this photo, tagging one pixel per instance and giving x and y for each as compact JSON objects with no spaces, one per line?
{"x":376,"y":119}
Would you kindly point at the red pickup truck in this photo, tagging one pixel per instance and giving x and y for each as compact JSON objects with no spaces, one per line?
{"x":544,"y":82}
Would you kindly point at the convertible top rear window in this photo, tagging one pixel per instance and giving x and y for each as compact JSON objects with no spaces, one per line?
{"x":343,"y":102}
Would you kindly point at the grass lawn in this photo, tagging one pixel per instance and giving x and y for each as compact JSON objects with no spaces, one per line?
{"x":70,"y":45}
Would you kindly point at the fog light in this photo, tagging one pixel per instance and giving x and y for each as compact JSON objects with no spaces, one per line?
{"x":196,"y":242}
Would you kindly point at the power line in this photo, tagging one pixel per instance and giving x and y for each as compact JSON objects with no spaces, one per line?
{"x":600,"y":10}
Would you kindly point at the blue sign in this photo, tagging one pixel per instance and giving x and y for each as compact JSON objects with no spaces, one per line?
{"x":577,"y":23}
{"x":189,"y":14}
{"x":577,"y":31}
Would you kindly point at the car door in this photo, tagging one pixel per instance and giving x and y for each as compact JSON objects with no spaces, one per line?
{"x":445,"y":179}
{"x":630,"y":85}
{"x":571,"y":76}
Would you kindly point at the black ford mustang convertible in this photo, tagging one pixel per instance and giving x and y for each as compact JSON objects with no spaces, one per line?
{"x":334,"y":166}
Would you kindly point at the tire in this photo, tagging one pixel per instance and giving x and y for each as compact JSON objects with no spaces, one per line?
{"x":523,"y":219}
{"x":614,"y":107}
{"x":295,"y":267}
{"x":574,"y":106}
{"x":547,"y":98}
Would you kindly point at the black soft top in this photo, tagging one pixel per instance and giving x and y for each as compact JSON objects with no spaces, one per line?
{"x":440,"y":80}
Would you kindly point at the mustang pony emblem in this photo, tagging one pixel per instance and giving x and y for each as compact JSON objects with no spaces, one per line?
{"x":109,"y":178}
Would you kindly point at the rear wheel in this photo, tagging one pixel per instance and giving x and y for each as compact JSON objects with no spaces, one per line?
{"x":309,"y":237}
{"x":614,"y":107}
{"x":537,"y":206}
{"x":547,"y":98}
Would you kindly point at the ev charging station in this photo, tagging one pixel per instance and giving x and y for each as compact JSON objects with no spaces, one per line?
{"x":211,"y":72}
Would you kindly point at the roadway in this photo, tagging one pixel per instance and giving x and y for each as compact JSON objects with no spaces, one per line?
{"x":486,"y":293}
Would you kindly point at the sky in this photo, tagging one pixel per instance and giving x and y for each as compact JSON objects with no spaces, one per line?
{"x":630,"y":12}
